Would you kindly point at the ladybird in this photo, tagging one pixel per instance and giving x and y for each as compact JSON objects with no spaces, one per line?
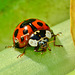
{"x":35,"y":33}
{"x":23,"y":31}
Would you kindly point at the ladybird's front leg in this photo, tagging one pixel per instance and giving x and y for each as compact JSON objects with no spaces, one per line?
{"x":9,"y":46}
{"x":22,"y":53}
{"x":55,"y":40}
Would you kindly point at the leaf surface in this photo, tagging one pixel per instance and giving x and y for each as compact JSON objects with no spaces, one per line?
{"x":59,"y":61}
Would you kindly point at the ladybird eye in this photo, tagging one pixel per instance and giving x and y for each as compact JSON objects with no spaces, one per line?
{"x":22,"y":38}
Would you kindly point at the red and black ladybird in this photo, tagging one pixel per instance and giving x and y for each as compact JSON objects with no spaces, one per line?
{"x":33,"y":32}
{"x":25,"y":29}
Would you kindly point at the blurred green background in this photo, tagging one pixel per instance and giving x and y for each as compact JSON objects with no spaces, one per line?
{"x":12,"y":12}
{"x":55,"y":13}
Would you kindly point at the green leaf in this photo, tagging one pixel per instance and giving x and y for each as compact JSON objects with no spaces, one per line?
{"x":72,"y":73}
{"x":59,"y":61}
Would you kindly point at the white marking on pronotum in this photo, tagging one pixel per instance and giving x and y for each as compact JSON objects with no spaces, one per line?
{"x":33,"y":43}
{"x":48,"y":34}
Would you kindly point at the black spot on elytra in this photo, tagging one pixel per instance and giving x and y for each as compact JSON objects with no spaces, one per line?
{"x":26,"y":22}
{"x":39,"y":23}
{"x":46,"y":24}
{"x":22,"y":38}
{"x":16,"y":32}
{"x":33,"y":27}
{"x":25,"y":31}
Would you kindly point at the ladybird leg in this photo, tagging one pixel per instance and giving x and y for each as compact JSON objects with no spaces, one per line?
{"x":42,"y":50}
{"x":58,"y":34}
{"x":36,"y":49}
{"x":54,"y":41}
{"x":49,"y":47}
{"x":9,"y":46}
{"x":22,"y":53}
